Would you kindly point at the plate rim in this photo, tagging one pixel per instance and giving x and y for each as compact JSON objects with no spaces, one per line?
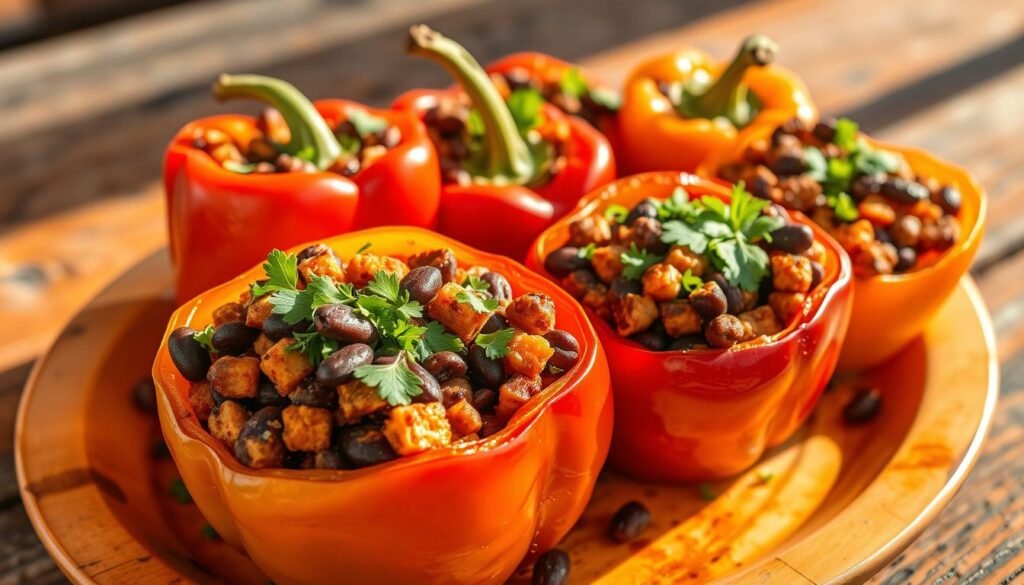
{"x":861,"y":569}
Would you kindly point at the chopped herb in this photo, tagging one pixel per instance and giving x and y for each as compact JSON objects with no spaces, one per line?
{"x":846,"y":134}
{"x":476,"y":283}
{"x":179,"y":492}
{"x":475,"y":124}
{"x":616,"y":213}
{"x":707,"y":493}
{"x":843,"y":206}
{"x":282,"y":273}
{"x":676,"y":206}
{"x":385,"y":285}
{"x":208,"y":532}
{"x":815,"y":163}
{"x":316,"y":347}
{"x":205,"y":337}
{"x":479,"y":304}
{"x":572,"y":83}
{"x":395,"y":382}
{"x":606,"y":98}
{"x":554,"y":370}
{"x":237,"y":167}
{"x":691,"y":281}
{"x":636,"y":261}
{"x":366,"y":246}
{"x":587,"y":252}
{"x":677,"y":233}
{"x":298,"y":306}
{"x":435,"y":339}
{"x":525,"y":106}
{"x":495,"y":344}
{"x":869,"y":161}
{"x":366,"y":123}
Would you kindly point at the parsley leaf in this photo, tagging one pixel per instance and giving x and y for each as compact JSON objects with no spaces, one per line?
{"x":237,"y":167}
{"x":606,"y":98}
{"x":572,"y":83}
{"x":525,"y":106}
{"x":385,"y":285}
{"x":495,"y":344}
{"x":478,"y":303}
{"x":315,"y":346}
{"x":846,"y":134}
{"x":869,"y":161}
{"x":815,"y":163}
{"x":587,"y":252}
{"x":691,"y":281}
{"x":677,"y":233}
{"x":676,"y":206}
{"x":843,"y":206}
{"x":616,"y":213}
{"x":476,"y":283}
{"x":741,"y":263}
{"x":205,"y":337}
{"x":395,"y":382}
{"x":282,"y":273}
{"x":436,"y":339}
{"x":293,"y":306}
{"x":636,"y":261}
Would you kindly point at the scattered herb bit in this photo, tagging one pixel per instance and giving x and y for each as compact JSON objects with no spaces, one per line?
{"x":587,"y":252}
{"x":636,"y":261}
{"x":691,"y":281}
{"x":765,"y":476}
{"x":479,"y":304}
{"x":606,"y":98}
{"x":525,"y":106}
{"x":554,"y":370}
{"x":282,"y":273}
{"x":707,"y":493}
{"x":815,"y":163}
{"x":179,"y":492}
{"x":237,"y":167}
{"x":205,"y":337}
{"x":366,"y":123}
{"x":364,"y":248}
{"x":476,"y":283}
{"x":395,"y":382}
{"x":843,"y":206}
{"x":208,"y":532}
{"x":616,"y":213}
{"x":846,"y":134}
{"x":495,"y":344}
{"x":572,"y":83}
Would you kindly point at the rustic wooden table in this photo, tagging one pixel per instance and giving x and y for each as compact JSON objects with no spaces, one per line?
{"x":86,"y":116}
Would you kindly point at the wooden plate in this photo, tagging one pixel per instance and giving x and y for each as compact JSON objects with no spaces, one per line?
{"x":831,"y":506}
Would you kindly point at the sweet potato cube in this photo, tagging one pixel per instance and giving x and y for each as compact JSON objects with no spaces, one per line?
{"x":463,"y":418}
{"x":417,"y":427}
{"x":307,"y":428}
{"x":513,"y":394}
{"x":284,"y":367}
{"x":356,"y":400}
{"x":226,"y":421}
{"x":460,"y":318}
{"x":235,"y":377}
{"x":258,"y":311}
{"x":527,"y":355}
{"x":201,"y":399}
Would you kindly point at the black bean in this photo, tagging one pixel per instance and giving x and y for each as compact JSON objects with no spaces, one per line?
{"x":689,"y":342}
{"x":310,"y":393}
{"x":863,"y":407}
{"x":445,"y":365}
{"x":904,"y":191}
{"x":629,"y":522}
{"x":275,"y":328}
{"x":788,"y":164}
{"x":234,"y":338}
{"x":622,"y":286}
{"x":188,"y":355}
{"x":646,"y":234}
{"x":484,"y":399}
{"x":825,"y":130}
{"x":551,"y":568}
{"x":422,"y":282}
{"x":567,"y":349}
{"x":313,"y":251}
{"x":364,"y":446}
{"x":341,"y":323}
{"x":329,"y":459}
{"x":948,"y":198}
{"x":494,"y":323}
{"x":653,"y":339}
{"x":883,"y":235}
{"x":905,"y":259}
{"x":732,"y":294}
{"x":817,"y":274}
{"x":267,"y":395}
{"x":565,"y":260}
{"x":709,"y":300}
{"x":498,"y":286}
{"x":645,"y":208}
{"x":431,"y":390}
{"x":483,"y":370}
{"x":724,"y":331}
{"x":794,"y":238}
{"x":144,"y":395}
{"x":865,"y":185}
{"x":337,"y":368}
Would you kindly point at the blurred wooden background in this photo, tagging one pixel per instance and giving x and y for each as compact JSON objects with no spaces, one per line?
{"x":86,"y":109}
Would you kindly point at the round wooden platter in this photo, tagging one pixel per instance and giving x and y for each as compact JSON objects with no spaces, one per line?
{"x":833,"y":505}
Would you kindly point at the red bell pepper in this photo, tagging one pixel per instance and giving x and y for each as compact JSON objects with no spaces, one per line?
{"x":221,"y":222}
{"x":688,"y":415}
{"x":510,"y":199}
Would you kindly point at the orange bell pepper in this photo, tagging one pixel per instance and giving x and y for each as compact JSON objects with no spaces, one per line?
{"x":464,"y":514}
{"x":658,"y":135}
{"x":704,"y":414}
{"x":890,"y":310}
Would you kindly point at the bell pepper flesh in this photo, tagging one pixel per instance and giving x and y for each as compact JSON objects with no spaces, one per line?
{"x":465,"y":514}
{"x":221,"y":222}
{"x":707,"y":414}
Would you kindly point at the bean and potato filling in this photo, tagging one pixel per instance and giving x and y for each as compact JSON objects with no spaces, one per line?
{"x":457,"y":131}
{"x":684,"y":274}
{"x":364,"y":138}
{"x":889,"y":219}
{"x":340,"y":365}
{"x":570,"y":93}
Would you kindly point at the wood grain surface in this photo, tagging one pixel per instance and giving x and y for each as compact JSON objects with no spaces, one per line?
{"x":86,"y":117}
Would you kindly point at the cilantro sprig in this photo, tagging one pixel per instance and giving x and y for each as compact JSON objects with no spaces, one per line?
{"x":495,"y":344}
{"x":636,"y":261}
{"x":478,"y":300}
{"x":205,"y":337}
{"x":282,"y":273}
{"x":395,"y":382}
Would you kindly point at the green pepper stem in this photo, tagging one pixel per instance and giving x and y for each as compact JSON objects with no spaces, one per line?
{"x":507,"y":154}
{"x":312,"y":138}
{"x":727,"y":96}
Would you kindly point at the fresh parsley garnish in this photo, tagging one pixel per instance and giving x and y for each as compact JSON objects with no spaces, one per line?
{"x":572,"y":83}
{"x":475,"y":124}
{"x":366,"y":246}
{"x":676,"y":206}
{"x":525,"y":106}
{"x":316,"y":347}
{"x":616,"y":213}
{"x":296,"y":306}
{"x":395,"y":382}
{"x":691,"y":281}
{"x":476,"y":283}
{"x":846,"y":133}
{"x":205,"y":337}
{"x":479,"y":303}
{"x":237,"y":167}
{"x":282,"y":273}
{"x":435,"y":339}
{"x":636,"y":261}
{"x":495,"y":344}
{"x":843,"y":206}
{"x":587,"y":252}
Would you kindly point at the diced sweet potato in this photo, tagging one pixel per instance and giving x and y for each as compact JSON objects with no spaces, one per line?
{"x":258,"y":311}
{"x":680,"y":318}
{"x":513,"y":394}
{"x":285,"y":368}
{"x":633,"y":313}
{"x":458,"y":317}
{"x":791,"y":273}
{"x":201,"y":399}
{"x":607,"y":262}
{"x":307,"y":428}
{"x":362,"y":268}
{"x":682,"y":259}
{"x":463,"y":418}
{"x":356,"y":400}
{"x":417,"y":427}
{"x":226,"y":421}
{"x":443,"y":259}
{"x":592,"y":229}
{"x":533,"y":313}
{"x":786,"y":305}
{"x":262,"y":344}
{"x":762,"y":321}
{"x":662,"y":282}
{"x":235,"y":377}
{"x":228,"y":312}
{"x":326,"y":264}
{"x":527,"y":355}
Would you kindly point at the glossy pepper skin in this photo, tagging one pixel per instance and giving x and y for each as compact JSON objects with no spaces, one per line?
{"x":505,"y":212}
{"x":466,"y":514}
{"x":890,"y":310}
{"x":221,"y":222}
{"x":706,"y":414}
{"x":656,"y":137}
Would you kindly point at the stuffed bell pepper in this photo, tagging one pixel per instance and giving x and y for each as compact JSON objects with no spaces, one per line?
{"x":722,"y":317}
{"x":386,"y":406}
{"x":678,"y":108}
{"x":910,"y":223}
{"x":239,"y":186}
{"x":511,"y":163}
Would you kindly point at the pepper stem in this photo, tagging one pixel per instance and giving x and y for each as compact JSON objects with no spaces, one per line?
{"x":728,"y":97}
{"x":312,"y":139}
{"x":507,"y":155}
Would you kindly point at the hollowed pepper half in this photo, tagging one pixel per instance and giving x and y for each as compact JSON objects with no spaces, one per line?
{"x":516,"y":179}
{"x":686,"y":415}
{"x":464,"y":514}
{"x":223,"y":221}
{"x":678,"y":108}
